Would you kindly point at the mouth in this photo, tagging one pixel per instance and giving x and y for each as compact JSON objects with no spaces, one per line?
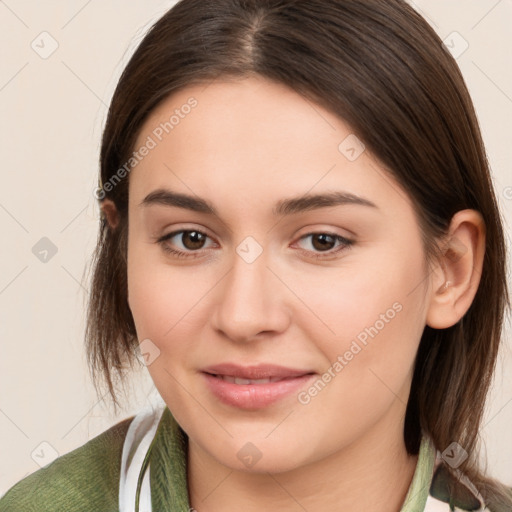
{"x":245,"y":382}
{"x":254,"y":387}
{"x":258,"y":372}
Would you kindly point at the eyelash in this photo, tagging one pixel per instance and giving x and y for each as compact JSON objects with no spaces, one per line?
{"x":346,"y":244}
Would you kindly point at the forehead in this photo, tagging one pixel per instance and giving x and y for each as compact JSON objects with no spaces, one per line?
{"x":253,"y":136}
{"x":249,"y":109}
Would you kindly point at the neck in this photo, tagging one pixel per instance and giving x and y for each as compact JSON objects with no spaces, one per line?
{"x":372,"y":473}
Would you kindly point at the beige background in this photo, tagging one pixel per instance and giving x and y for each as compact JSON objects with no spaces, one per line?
{"x":53,"y":110}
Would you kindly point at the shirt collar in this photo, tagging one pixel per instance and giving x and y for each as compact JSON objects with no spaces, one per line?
{"x":168,"y":466}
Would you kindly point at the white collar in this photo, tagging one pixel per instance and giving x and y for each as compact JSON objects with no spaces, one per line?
{"x":139,"y":437}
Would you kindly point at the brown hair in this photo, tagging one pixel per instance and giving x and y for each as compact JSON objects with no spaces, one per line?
{"x":381,"y":68}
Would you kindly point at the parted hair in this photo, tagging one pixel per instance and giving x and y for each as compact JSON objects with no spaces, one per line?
{"x":383,"y":70}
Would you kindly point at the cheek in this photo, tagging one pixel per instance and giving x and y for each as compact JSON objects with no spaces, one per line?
{"x":165,"y":307}
{"x":368,"y":324}
{"x":363,"y":300}
{"x":164,"y":302}
{"x":368,"y":369}
{"x":160,"y":296}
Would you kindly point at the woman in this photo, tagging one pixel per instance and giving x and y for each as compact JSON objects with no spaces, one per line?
{"x":301,"y":241}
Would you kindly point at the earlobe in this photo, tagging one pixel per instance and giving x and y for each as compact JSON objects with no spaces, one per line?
{"x":109,"y":209}
{"x":456,"y":278}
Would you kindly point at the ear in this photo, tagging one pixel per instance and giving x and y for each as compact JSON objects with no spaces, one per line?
{"x":455,"y":279}
{"x":109,"y":210}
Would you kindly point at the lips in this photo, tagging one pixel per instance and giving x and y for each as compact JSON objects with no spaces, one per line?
{"x":255,"y":372}
{"x":254,"y":387}
{"x":241,"y":380}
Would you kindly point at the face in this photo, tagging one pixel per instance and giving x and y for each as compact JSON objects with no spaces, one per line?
{"x":277,"y":326}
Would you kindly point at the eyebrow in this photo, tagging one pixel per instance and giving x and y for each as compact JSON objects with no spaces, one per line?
{"x":290,"y":206}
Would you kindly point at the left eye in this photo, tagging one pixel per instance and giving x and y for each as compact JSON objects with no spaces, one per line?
{"x":325,"y":242}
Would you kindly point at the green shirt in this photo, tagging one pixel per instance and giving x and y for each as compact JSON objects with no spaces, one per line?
{"x":87,"y":478}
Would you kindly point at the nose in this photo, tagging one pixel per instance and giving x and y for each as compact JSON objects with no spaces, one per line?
{"x":252,"y":301}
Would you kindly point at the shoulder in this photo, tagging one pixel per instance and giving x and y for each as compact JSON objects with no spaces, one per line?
{"x":86,"y":478}
{"x":458,"y":491}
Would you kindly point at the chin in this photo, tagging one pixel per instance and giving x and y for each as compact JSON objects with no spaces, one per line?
{"x":275,"y":462}
{"x":259,"y":456}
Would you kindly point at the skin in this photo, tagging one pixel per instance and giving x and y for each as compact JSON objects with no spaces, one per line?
{"x":248,"y":144}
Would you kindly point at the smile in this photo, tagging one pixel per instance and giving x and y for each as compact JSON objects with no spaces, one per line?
{"x":242,"y":381}
{"x":254,"y":387}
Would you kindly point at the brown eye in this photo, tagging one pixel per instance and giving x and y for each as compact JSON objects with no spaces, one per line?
{"x":184,"y":243}
{"x":193,"y":239}
{"x":323,"y":241}
{"x":325,"y":245}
